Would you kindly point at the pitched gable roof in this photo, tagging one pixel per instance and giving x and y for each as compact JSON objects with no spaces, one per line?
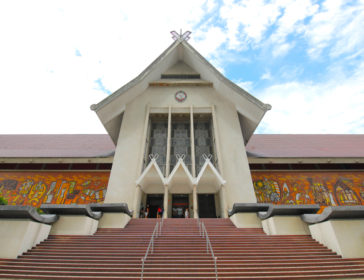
{"x":110,"y":110}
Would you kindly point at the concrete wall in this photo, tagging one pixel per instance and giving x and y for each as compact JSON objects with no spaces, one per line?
{"x":285,"y":225}
{"x":74,"y":225}
{"x":345,"y":237}
{"x":18,"y":236}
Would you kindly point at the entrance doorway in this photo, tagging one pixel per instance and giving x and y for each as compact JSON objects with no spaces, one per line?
{"x":206,"y":206}
{"x":179,"y":205}
{"x":154,"y":201}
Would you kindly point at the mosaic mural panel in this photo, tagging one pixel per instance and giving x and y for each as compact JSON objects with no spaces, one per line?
{"x":36,"y":188}
{"x":324,"y":188}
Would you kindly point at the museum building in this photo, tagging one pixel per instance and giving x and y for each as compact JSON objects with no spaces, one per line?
{"x":181,"y":136}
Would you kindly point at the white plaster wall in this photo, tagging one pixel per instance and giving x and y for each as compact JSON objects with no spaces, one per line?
{"x":42,"y":234}
{"x":285,"y":225}
{"x":74,"y":225}
{"x":345,"y":237}
{"x":130,"y":147}
{"x":18,"y":236}
{"x":246,"y":220}
{"x":114,"y":220}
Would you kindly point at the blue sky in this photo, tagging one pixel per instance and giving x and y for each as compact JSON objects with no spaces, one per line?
{"x":304,"y":57}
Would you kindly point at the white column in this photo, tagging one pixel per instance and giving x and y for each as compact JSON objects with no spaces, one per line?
{"x":217,"y":141}
{"x":137,"y":200}
{"x":165,"y":202}
{"x":195,"y":202}
{"x":145,"y":141}
{"x":168,"y":155}
{"x":223,"y":208}
{"x":192,"y":141}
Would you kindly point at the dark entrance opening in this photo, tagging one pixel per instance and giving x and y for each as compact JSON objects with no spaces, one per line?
{"x":154,"y":201}
{"x":206,"y":206}
{"x":179,"y":205}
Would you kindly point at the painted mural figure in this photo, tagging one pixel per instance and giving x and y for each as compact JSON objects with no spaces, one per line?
{"x":286,"y":197}
{"x":321,"y":193}
{"x":344,"y":194}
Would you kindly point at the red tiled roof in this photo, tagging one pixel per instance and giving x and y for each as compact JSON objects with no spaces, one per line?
{"x":306,"y":145}
{"x":56,"y":145}
{"x":260,"y":145}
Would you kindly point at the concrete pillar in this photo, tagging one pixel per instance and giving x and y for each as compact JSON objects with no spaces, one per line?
{"x":165,"y":202}
{"x":195,"y":202}
{"x":192,"y":142}
{"x":223,"y":209}
{"x":168,"y":153}
{"x":137,"y":201}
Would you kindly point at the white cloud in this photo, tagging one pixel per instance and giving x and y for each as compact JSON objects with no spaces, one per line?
{"x":291,"y":22}
{"x":266,"y":76}
{"x":247,"y":21}
{"x":338,"y":25}
{"x":209,"y":40}
{"x":281,"y":49}
{"x":47,"y":88}
{"x":335,"y":106}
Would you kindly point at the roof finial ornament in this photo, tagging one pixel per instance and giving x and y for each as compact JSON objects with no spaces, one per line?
{"x":181,"y":37}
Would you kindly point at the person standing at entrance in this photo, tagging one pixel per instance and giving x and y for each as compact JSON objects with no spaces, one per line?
{"x":186,"y":213}
{"x":159,"y":212}
{"x":146,"y":212}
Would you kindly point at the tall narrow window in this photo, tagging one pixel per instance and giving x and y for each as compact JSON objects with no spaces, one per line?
{"x":203,"y":140}
{"x":157,"y":140}
{"x":180,"y":140}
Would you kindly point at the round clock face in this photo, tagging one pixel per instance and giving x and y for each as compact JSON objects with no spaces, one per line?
{"x":180,"y":96}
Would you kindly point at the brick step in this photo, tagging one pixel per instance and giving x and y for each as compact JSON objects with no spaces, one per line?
{"x":205,"y":264}
{"x":187,"y":261}
{"x":173,"y":268}
{"x":179,"y":234}
{"x":161,"y":245}
{"x":197,"y":277}
{"x":186,"y":253}
{"x":261,"y":257}
{"x":171,"y":242}
{"x":188,"y":273}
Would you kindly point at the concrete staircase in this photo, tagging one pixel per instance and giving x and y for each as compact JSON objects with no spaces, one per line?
{"x":180,"y":253}
{"x":251,"y":254}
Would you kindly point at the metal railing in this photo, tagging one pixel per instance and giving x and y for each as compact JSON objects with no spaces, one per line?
{"x":160,"y":226}
{"x":150,"y":246}
{"x":203,"y":233}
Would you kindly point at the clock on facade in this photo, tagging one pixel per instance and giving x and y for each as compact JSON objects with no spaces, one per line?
{"x":180,"y":96}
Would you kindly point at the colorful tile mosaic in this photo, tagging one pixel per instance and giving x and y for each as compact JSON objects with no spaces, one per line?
{"x":324,"y":188}
{"x":36,"y":188}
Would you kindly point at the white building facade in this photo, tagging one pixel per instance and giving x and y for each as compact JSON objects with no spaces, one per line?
{"x":180,"y":130}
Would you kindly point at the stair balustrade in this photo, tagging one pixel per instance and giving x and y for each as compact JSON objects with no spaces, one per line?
{"x":203,"y":233}
{"x":160,"y":226}
{"x":150,"y":247}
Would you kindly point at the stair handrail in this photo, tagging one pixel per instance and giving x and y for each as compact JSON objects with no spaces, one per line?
{"x":160,"y":226}
{"x":199,"y":226}
{"x":151,"y":245}
{"x":208,"y":244}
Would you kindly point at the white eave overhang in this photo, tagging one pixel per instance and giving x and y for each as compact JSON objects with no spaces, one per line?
{"x":151,"y":180}
{"x":180,"y":179}
{"x":209,"y":180}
